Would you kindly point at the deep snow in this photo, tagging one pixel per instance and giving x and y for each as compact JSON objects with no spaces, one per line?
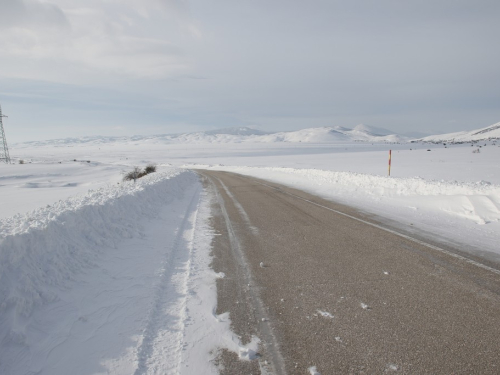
{"x":114,"y":281}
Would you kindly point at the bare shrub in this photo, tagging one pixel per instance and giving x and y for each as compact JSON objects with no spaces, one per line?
{"x":133,"y":175}
{"x":138,"y":173}
{"x":150,"y":168}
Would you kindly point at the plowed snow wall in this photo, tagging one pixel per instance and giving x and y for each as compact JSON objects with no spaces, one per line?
{"x":41,"y":251}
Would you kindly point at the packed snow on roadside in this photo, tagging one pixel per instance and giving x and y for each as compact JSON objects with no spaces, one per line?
{"x":116,"y":280}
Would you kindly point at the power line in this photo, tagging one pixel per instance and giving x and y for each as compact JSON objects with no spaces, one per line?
{"x":4,"y":149}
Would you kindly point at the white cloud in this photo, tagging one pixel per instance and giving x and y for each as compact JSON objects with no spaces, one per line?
{"x":100,"y":38}
{"x":281,"y":63}
{"x":30,"y":13}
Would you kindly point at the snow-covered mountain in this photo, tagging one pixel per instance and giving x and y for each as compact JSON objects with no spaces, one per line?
{"x":236,"y":131}
{"x":488,"y":133}
{"x":372,"y":130}
{"x":360,"y":133}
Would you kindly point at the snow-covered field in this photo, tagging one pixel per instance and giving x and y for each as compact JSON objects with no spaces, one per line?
{"x":96,"y":275}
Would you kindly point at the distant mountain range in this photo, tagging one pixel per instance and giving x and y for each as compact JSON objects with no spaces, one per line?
{"x":236,"y":131}
{"x":336,"y":134}
{"x":361,"y":133}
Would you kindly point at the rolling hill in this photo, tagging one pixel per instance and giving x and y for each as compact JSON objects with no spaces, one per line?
{"x":361,"y":133}
{"x":488,"y":133}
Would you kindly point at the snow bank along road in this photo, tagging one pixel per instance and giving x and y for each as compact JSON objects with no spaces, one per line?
{"x":111,"y":282}
{"x":330,"y":293}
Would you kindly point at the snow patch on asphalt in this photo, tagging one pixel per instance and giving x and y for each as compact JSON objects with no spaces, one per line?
{"x":391,"y":367}
{"x":250,"y":351}
{"x":325,"y":314}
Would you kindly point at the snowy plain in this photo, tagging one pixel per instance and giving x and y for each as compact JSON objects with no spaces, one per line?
{"x":99,"y":276}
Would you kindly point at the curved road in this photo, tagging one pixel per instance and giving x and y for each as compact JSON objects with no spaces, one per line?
{"x":327,"y":289}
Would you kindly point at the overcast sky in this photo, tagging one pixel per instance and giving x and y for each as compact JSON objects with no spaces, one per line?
{"x":124,"y":67}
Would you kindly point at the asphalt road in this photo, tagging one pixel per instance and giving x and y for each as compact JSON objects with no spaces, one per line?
{"x":324,"y":285}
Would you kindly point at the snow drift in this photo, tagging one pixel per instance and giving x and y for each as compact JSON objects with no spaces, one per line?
{"x":42,"y":250}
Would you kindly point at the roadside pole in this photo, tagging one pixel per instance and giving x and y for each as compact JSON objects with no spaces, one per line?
{"x":390,"y":152}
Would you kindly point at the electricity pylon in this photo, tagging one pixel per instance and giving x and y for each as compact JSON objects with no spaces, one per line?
{"x":4,"y":150}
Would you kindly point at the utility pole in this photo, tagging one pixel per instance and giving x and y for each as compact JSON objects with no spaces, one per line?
{"x":4,"y":150}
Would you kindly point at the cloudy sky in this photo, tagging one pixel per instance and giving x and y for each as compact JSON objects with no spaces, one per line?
{"x":124,"y":67}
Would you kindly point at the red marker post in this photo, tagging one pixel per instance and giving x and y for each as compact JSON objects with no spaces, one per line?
{"x":390,"y":152}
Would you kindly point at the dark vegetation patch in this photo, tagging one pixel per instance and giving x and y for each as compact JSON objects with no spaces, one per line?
{"x":137,"y":172}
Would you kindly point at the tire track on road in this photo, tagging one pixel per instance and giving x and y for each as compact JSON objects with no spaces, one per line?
{"x":273,"y":357}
